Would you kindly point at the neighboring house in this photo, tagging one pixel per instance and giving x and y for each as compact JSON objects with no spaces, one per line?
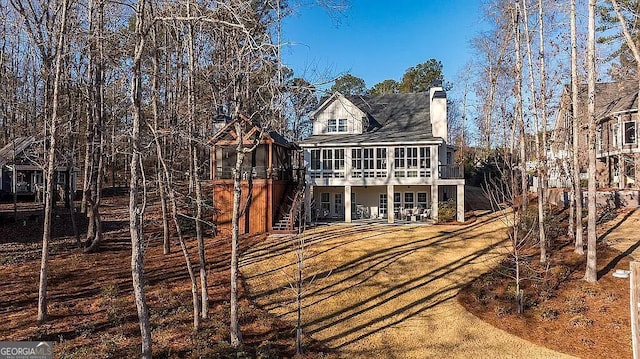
{"x":270,"y":179}
{"x":382,"y":156}
{"x":21,"y":171}
{"x":617,"y":147}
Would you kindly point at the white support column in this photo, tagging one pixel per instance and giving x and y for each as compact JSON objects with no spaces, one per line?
{"x":390,"y":204}
{"x":306,"y":161}
{"x":347,"y":163}
{"x":347,"y":204}
{"x":460,"y":202}
{"x":434,"y":202}
{"x":435,"y":169}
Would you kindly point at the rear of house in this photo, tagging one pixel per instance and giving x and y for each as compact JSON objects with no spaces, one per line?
{"x":383,"y":157}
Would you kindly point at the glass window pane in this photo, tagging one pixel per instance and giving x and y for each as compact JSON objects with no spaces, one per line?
{"x":629,"y":132}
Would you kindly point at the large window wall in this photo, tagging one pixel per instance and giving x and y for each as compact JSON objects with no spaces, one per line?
{"x":371,"y":162}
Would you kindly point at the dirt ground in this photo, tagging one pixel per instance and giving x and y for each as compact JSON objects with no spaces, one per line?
{"x":375,"y":290}
{"x":562,"y":311}
{"x":91,"y":308}
{"x":388,"y":291}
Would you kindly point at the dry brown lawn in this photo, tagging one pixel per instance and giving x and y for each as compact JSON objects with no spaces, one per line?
{"x":92,"y":314}
{"x":388,"y":290}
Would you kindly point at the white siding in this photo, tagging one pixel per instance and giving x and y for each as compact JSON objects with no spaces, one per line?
{"x":337,"y":109}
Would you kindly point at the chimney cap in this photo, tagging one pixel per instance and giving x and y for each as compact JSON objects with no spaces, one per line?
{"x":439,"y":94}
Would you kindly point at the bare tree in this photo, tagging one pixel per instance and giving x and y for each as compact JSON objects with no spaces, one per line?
{"x":50,"y":193}
{"x":194,"y":173}
{"x":94,"y":132}
{"x":628,"y":37}
{"x":518,"y":110}
{"x":136,"y":211}
{"x":577,"y":186}
{"x":537,"y":113}
{"x":501,"y":191}
{"x":591,"y":272}
{"x":155,"y":106}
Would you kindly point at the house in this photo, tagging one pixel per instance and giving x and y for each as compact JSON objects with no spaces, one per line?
{"x":617,"y":150}
{"x":382,"y":157}
{"x":21,"y":171}
{"x":271,"y":180}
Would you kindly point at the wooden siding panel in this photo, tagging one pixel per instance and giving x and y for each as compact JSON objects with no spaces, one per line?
{"x":258,"y":218}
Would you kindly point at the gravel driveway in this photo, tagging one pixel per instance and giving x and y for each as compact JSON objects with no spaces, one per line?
{"x":387,"y":291}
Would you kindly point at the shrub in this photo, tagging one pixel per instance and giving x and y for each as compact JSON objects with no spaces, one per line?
{"x":611,"y":296}
{"x":576,"y":305}
{"x":589,"y":291}
{"x":581,"y":321}
{"x":588,"y":342}
{"x":549,"y":314}
{"x":447,"y":211}
{"x":616,"y":323}
{"x":502,"y":311}
{"x":483,"y":297}
{"x":267,"y":350}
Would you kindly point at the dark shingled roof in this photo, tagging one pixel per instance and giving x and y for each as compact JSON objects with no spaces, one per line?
{"x":391,"y":118}
{"x":611,"y":97}
{"x":20,"y":144}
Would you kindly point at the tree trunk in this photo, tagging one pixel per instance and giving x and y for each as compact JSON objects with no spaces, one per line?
{"x":236,"y":336}
{"x":577,"y":186}
{"x":195,"y":176}
{"x":542,"y":156}
{"x":591,"y":273}
{"x":519,"y":112}
{"x":166,"y":245}
{"x":49,"y":182}
{"x":176,"y":222}
{"x":537,"y":110}
{"x":96,"y":112}
{"x":135,"y":212}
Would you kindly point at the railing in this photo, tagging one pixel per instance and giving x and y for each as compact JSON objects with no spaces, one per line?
{"x":327,"y":173}
{"x":259,"y":172}
{"x":451,"y":171}
{"x":446,"y":172}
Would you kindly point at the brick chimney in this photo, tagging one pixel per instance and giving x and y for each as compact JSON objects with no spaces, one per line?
{"x":438,"y":112}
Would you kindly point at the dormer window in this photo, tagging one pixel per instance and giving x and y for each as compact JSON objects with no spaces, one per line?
{"x":342,"y":125}
{"x":337,"y":125}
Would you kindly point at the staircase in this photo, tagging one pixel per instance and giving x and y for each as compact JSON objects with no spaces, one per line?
{"x":286,"y":222}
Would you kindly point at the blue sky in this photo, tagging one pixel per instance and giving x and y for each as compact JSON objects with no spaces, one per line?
{"x":379,"y":39}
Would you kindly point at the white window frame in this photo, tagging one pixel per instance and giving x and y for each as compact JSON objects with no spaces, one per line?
{"x":383,"y":205}
{"x":325,"y":206}
{"x":381,"y":162}
{"x":409,"y":204}
{"x":338,"y":204}
{"x":338,"y":162}
{"x":342,"y":125}
{"x":315,"y":161}
{"x":327,"y":159}
{"x":425,"y":161}
{"x":397,"y":202}
{"x":615,"y":132}
{"x":356,"y":162}
{"x":635,"y":132}
{"x":332,"y":125}
{"x":422,"y":204}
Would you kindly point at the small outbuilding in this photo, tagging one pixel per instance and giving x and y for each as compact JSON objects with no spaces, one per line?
{"x":22,"y":172}
{"x":271,"y":178}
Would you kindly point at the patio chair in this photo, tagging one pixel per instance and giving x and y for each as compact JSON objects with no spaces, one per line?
{"x":426,"y":213}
